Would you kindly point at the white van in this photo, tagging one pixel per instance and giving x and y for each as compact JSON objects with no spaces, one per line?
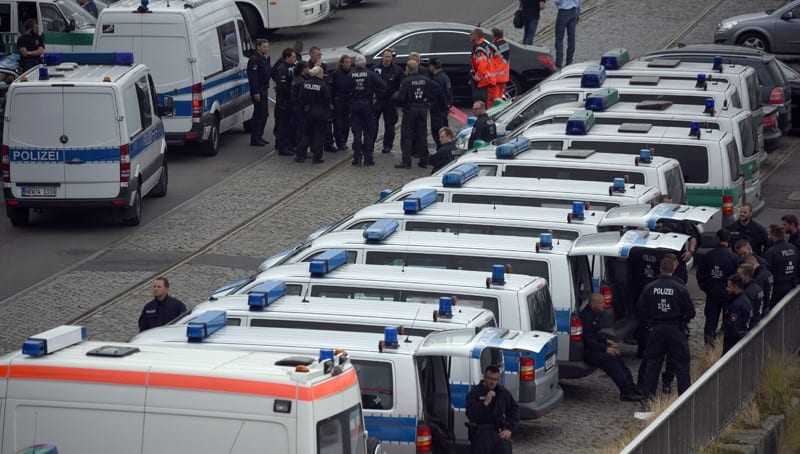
{"x":268,"y":15}
{"x":111,"y":155}
{"x":197,"y":51}
{"x":64,"y":25}
{"x":408,"y":400}
{"x":95,"y":397}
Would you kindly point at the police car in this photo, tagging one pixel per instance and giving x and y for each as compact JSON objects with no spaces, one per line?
{"x":97,"y":397}
{"x":404,"y":379}
{"x":111,"y":155}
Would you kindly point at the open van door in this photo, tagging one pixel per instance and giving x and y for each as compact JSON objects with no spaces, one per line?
{"x":662,"y":217}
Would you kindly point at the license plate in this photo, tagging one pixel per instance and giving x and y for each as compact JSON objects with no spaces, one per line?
{"x":549,"y":363}
{"x":39,"y":191}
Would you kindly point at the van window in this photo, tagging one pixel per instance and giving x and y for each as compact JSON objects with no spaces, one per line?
{"x":332,"y":326}
{"x":484,"y":229}
{"x":699,"y":100}
{"x":341,"y":433}
{"x":526,"y":201}
{"x":233,"y":321}
{"x":748,"y":137}
{"x":675,"y":186}
{"x":351,"y":256}
{"x":537,"y":268}
{"x":567,"y":173}
{"x":439,"y":197}
{"x":581,"y":280}
{"x":362,"y":225}
{"x":733,"y":160}
{"x":359,"y":293}
{"x":244,"y":38}
{"x":133,"y":118}
{"x":736,"y":100}
{"x":5,"y":18}
{"x":486,"y":170}
{"x":52,"y":19}
{"x":539,"y":106}
{"x":376,"y":381}
{"x":540,"y":311}
{"x":229,"y":46}
{"x":145,"y":102}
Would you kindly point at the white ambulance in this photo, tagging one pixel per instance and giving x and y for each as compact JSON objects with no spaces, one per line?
{"x":96,"y":397}
{"x":111,"y":155}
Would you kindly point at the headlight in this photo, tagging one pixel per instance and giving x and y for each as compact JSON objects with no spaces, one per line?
{"x":726,"y":26}
{"x":462,"y":140}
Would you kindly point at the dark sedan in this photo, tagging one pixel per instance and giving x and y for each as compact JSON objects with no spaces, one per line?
{"x":450,"y":43}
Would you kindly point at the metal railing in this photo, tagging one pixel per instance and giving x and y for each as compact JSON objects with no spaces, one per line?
{"x":700,"y":414}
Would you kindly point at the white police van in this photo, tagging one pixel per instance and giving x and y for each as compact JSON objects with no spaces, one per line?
{"x":264,"y":308}
{"x":110,"y":155}
{"x":518,"y":159}
{"x":408,"y":384}
{"x":197,"y":51}
{"x":96,"y":397}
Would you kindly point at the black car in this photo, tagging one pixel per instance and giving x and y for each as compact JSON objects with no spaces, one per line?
{"x":792,"y":77}
{"x":450,"y":43}
{"x":774,"y":88}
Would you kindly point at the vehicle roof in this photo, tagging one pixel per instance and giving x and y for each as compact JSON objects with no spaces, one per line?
{"x":713,"y":50}
{"x":688,"y":85}
{"x":186,"y":7}
{"x":550,"y":156}
{"x":612,"y":131}
{"x":688,"y":70}
{"x":83,"y":75}
{"x":428,"y":25}
{"x":530,"y":186}
{"x":693,"y":111}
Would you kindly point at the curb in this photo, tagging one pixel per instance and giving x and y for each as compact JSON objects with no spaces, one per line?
{"x":764,"y":440}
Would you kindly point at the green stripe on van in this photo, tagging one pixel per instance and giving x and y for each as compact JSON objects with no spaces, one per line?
{"x":711,"y":196}
{"x":68,"y":39}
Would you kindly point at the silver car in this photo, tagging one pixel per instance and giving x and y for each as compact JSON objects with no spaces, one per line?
{"x":776,"y":31}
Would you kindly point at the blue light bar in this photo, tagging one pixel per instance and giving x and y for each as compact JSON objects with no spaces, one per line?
{"x":578,"y":211}
{"x":593,"y":76}
{"x":390,"y":337}
{"x":327,"y":261}
{"x":99,"y":58}
{"x":717,"y":63}
{"x":53,"y":340}
{"x":645,"y":157}
{"x":601,"y":99}
{"x":326,"y":354}
{"x":694,"y":129}
{"x":619,"y":185}
{"x":445,"y":307}
{"x":43,"y":74}
{"x":512,"y":148}
{"x":380,"y":230}
{"x":709,"y":103}
{"x":615,"y":59}
{"x":419,"y":200}
{"x":498,"y":274}
{"x":34,"y":347}
{"x":471,"y":120}
{"x":265,"y":294}
{"x":580,"y":122}
{"x":459,"y":175}
{"x":385,"y":193}
{"x":205,"y":325}
{"x":545,"y":242}
{"x":701,"y":81}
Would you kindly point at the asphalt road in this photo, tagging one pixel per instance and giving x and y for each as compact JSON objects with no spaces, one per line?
{"x":60,"y":239}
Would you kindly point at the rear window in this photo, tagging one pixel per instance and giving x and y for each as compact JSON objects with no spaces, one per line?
{"x":377,"y":384}
{"x":566,"y":173}
{"x":699,"y":100}
{"x":330,"y":291}
{"x":748,"y":134}
{"x":675,"y":185}
{"x":733,"y":160}
{"x":98,"y":112}
{"x":775,"y":73}
{"x":752,"y":91}
{"x":351,"y":256}
{"x":540,"y":310}
{"x":476,"y":301}
{"x":526,"y":201}
{"x":537,"y":268}
{"x":483,"y":229}
{"x":581,"y":280}
{"x":342,"y":433}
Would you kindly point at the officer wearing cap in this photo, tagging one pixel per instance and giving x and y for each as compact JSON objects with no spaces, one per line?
{"x":484,"y":128}
{"x":493,"y":415}
{"x":366,"y":84}
{"x":440,"y":110}
{"x":736,"y":317}
{"x":315,"y":99}
{"x":392,"y":75}
{"x":782,"y":262}
{"x":282,"y":74}
{"x":258,"y":74}
{"x":713,"y":270}
{"x":666,"y":307}
{"x":162,"y":309}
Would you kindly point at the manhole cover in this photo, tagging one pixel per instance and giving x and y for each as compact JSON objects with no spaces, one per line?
{"x":794,"y":196}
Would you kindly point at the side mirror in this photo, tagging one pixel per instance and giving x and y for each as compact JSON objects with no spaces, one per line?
{"x":71,"y":26}
{"x":788,"y":15}
{"x":167,"y":107}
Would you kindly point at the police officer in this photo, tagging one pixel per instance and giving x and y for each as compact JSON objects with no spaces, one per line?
{"x":258,"y":74}
{"x":782,"y":262}
{"x":754,"y":292}
{"x":745,"y":227}
{"x":392,"y":75}
{"x":484,"y":128}
{"x":712,"y":275}
{"x":315,"y":98}
{"x":342,"y":91}
{"x":282,"y":75}
{"x":315,"y":59}
{"x":736,"y":319}
{"x":763,"y":277}
{"x":298,"y":117}
{"x":791,"y":228}
{"x":439,"y":111}
{"x":666,"y":307}
{"x":493,"y":415}
{"x":366,"y":84}
{"x":599,"y":351}
{"x":415,"y":95}
{"x":162,"y":309}
{"x":444,"y":154}
{"x":30,"y":45}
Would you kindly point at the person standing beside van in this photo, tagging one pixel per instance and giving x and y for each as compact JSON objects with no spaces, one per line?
{"x":282,"y":74}
{"x":493,"y":415}
{"x":30,"y":45}
{"x":162,"y":309}
{"x":258,"y":74}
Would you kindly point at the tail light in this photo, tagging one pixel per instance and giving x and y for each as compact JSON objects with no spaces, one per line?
{"x":547,"y":61}
{"x":608,"y":296}
{"x":124,"y":166}
{"x":770,"y":122}
{"x":727,"y":205}
{"x":197,"y":102}
{"x":424,"y":439}
{"x":777,"y":96}
{"x":527,"y":371}
{"x":575,"y":329}
{"x":5,"y":165}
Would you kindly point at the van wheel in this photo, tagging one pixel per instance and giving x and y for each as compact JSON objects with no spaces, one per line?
{"x":160,"y":189}
{"x":211,"y":146}
{"x":132,"y":215}
{"x":20,"y":217}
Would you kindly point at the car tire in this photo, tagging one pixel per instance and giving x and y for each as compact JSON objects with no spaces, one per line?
{"x":210,"y":147}
{"x":513,"y":87}
{"x":160,"y":189}
{"x":20,"y":217}
{"x":132,"y":215}
{"x":753,"y":40}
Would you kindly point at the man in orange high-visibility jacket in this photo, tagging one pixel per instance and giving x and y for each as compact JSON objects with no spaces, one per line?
{"x":482,"y":68}
{"x":501,"y":63}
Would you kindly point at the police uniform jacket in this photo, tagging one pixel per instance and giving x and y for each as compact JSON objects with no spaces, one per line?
{"x":794,"y":238}
{"x":594,"y":341}
{"x":258,"y":74}
{"x":442,"y":157}
{"x":753,"y":232}
{"x":755,"y":294}
{"x":341,"y":85}
{"x":763,"y":277}
{"x":484,"y":129}
{"x":417,"y":91}
{"x":782,"y":262}
{"x":366,"y":84}
{"x":30,"y":42}
{"x":315,"y":97}
{"x":392,"y":75}
{"x":713,"y":270}
{"x":282,"y":74}
{"x":737,"y":313}
{"x":446,"y":88}
{"x":502,"y":413}
{"x":158,"y":313}
{"x":665,"y":301}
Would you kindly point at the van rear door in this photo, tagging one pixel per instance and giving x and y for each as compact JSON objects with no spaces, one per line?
{"x":33,"y":136}
{"x":646,"y":217}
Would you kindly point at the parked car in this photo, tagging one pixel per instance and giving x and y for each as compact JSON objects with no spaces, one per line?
{"x":793,"y":81}
{"x":776,"y":31}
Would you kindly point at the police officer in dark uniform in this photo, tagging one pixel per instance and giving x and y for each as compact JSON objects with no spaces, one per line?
{"x":484,"y":128}
{"x":162,"y":309}
{"x":666,"y":307}
{"x":745,"y":227}
{"x":30,"y":45}
{"x":392,"y":75}
{"x":493,"y":415}
{"x":298,"y":117}
{"x":782,"y":262}
{"x":763,"y":277}
{"x":713,"y":270}
{"x":342,"y":92}
{"x":315,"y":59}
{"x":315,"y":97}
{"x":791,"y":228}
{"x":445,"y":153}
{"x":754,"y":292}
{"x":415,"y":95}
{"x":439,"y":111}
{"x":258,"y":74}
{"x":366,"y":84}
{"x":282,"y":74}
{"x":736,"y":317}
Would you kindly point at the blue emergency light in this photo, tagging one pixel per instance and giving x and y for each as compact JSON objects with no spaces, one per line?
{"x":326,"y":354}
{"x":593,"y":76}
{"x":53,"y":340}
{"x":694,"y":129}
{"x":380,"y":230}
{"x":601,"y":100}
{"x":99,"y":58}
{"x":326,"y":262}
{"x":390,"y":337}
{"x":419,"y":200}
{"x":709,"y":103}
{"x":618,"y":185}
{"x":512,"y":148}
{"x":717,"y":63}
{"x":471,"y":120}
{"x":205,"y":325}
{"x":578,"y":211}
{"x":645,"y":157}
{"x":265,"y":294}
{"x":701,"y":81}
{"x":498,"y":274}
{"x":580,"y":122}
{"x":43,"y":74}
{"x":445,"y":307}
{"x":385,"y":193}
{"x":545,"y":242}
{"x":615,"y":59}
{"x":459,"y":175}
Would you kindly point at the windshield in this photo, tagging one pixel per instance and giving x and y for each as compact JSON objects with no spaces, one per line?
{"x":342,"y":433}
{"x":72,"y":10}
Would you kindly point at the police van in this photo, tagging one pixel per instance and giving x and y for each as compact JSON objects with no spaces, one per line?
{"x":519,"y":159}
{"x":409,"y":384}
{"x":197,"y":51}
{"x":63,"y":24}
{"x":263,"y":307}
{"x":111,"y":155}
{"x":97,"y":397}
